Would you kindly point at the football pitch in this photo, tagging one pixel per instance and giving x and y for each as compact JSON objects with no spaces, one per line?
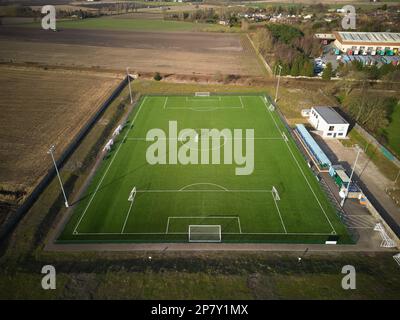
{"x":163,"y":181}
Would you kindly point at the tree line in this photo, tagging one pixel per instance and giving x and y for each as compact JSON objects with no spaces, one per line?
{"x":288,"y":47}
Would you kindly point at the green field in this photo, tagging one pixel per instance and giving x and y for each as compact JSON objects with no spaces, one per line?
{"x":138,"y":25}
{"x":169,"y":197}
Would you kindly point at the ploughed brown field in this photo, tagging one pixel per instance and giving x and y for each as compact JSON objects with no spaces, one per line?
{"x":166,"y":52}
{"x":40,"y":108}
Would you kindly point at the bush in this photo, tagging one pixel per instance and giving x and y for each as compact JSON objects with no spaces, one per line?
{"x":157,"y":76}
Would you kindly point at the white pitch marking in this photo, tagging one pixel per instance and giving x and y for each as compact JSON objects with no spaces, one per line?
{"x":241,"y":102}
{"x":261,"y":138}
{"x":280,"y":216}
{"x":165,"y":102}
{"x":301,"y":170}
{"x":108,"y":168}
{"x":126,"y":218}
{"x":249,"y":233}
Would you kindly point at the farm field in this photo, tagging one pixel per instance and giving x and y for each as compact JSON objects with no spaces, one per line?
{"x":40,"y":108}
{"x":167,"y":52}
{"x":126,"y":23}
{"x":132,"y":200}
{"x":141,"y":25}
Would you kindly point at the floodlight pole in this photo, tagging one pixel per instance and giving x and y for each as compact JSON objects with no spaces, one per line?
{"x":277,"y":86}
{"x":129,"y":83}
{"x":351,"y":177}
{"x":51,"y":150}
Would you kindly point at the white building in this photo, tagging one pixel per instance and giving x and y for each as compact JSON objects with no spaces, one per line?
{"x":368,"y":42}
{"x":328,"y":122}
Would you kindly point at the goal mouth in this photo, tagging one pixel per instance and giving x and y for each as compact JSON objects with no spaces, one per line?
{"x":202,"y":94}
{"x":204,"y":233}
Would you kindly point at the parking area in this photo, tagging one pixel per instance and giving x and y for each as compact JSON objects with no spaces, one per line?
{"x":329,"y":56}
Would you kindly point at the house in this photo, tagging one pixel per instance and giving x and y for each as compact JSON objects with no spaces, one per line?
{"x":328,"y":122}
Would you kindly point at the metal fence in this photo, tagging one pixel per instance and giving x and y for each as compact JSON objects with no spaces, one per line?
{"x":380,"y":147}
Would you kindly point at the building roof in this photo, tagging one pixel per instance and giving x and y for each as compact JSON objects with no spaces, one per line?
{"x":343,"y":176}
{"x":371,"y":38}
{"x":325,"y":36}
{"x":313,"y":145}
{"x":330,"y":115}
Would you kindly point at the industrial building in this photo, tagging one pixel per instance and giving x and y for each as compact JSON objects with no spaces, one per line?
{"x":367,"y":43}
{"x":328,"y":122}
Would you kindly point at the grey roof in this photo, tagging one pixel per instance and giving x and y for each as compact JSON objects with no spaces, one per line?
{"x":330,"y":115}
{"x":372,"y":37}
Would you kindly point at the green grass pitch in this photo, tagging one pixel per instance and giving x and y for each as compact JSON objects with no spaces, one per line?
{"x":170,"y":197}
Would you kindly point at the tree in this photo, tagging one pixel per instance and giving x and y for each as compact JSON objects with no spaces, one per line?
{"x":328,"y":72}
{"x":157,"y":76}
{"x":307,"y":69}
{"x":294,"y":70}
{"x":264,"y":41}
{"x":370,"y":110}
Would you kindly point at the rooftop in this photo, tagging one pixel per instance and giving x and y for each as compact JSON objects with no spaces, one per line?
{"x":330,"y":115}
{"x":371,"y":37}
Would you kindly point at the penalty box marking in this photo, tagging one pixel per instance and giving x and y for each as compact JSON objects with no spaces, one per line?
{"x":203,"y":99}
{"x":222,"y":190}
{"x":183,"y":190}
{"x":204,"y":108}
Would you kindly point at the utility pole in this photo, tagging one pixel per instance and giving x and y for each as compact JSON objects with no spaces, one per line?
{"x":51,"y":150}
{"x":277,"y":86}
{"x":351,"y":177}
{"x":129,"y":83}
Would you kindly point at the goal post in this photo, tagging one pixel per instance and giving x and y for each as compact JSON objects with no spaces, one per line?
{"x":275,"y":194}
{"x":204,"y":233}
{"x":387,"y":242}
{"x":132,"y":195}
{"x":271,"y":107}
{"x":202,"y":94}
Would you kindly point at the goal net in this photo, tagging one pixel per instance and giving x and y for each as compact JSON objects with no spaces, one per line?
{"x":202,"y":94}
{"x":397,"y":258}
{"x":271,"y":107}
{"x":204,"y":233}
{"x":275,"y":194}
{"x":387,"y":242}
{"x":132,"y":194}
